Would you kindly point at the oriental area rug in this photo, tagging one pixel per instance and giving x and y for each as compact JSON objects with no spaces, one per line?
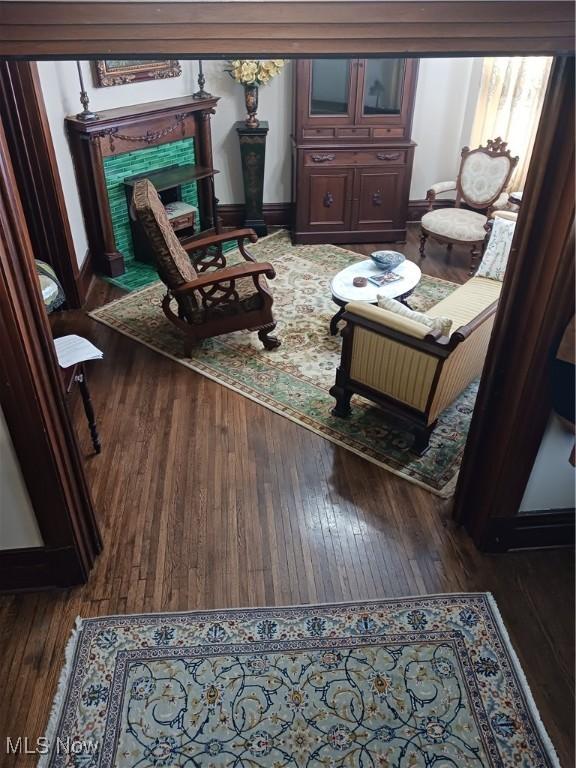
{"x":295,"y":379}
{"x":411,"y":683}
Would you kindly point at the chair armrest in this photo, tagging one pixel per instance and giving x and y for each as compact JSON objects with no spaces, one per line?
{"x":439,"y":187}
{"x":224,"y":237}
{"x":462,"y":333}
{"x":224,"y":275}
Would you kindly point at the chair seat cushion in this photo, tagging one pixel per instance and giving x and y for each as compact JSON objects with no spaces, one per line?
{"x":467,"y":301}
{"x":456,"y":224}
{"x":249,"y":300}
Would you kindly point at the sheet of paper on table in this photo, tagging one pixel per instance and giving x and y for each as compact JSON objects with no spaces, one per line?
{"x":75,"y":349}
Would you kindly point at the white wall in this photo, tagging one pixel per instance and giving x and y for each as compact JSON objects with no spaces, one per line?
{"x":445,"y":101}
{"x":551,"y":483}
{"x":18,"y":527}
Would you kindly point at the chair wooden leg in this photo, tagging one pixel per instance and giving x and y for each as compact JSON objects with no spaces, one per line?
{"x":422,"y":439}
{"x":423,"y":238}
{"x":342,"y":396}
{"x":269,"y":342}
{"x":474,"y":253}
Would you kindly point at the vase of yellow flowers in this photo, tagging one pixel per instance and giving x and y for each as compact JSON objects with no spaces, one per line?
{"x":252,"y":74}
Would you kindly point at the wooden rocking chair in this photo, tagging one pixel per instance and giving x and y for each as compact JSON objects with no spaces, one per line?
{"x":211,"y":297}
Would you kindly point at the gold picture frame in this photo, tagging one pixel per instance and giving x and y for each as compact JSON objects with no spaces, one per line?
{"x":122,"y":71}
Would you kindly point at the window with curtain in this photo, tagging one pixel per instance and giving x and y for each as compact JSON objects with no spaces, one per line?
{"x":509,"y":105}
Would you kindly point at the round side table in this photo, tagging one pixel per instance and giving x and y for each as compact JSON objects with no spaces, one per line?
{"x":343,"y":290}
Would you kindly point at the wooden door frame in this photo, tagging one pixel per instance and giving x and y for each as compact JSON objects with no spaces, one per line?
{"x":536,"y":286}
{"x":34,"y":162}
{"x":33,"y":401}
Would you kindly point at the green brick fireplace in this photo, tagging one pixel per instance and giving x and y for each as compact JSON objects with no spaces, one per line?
{"x":141,"y":161}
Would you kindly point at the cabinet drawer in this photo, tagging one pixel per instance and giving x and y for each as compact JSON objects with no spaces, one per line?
{"x":389,"y":156}
{"x":359,"y":133}
{"x":388,"y":133}
{"x":314,"y":133}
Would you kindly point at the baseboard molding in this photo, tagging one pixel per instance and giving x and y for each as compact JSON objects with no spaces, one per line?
{"x":39,"y":568}
{"x":22,"y":569}
{"x":85,"y":277}
{"x":279,"y":214}
{"x":417,"y":208}
{"x":275,"y":214}
{"x":533,"y":530}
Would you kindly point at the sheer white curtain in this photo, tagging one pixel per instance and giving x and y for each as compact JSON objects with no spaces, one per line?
{"x":509,"y":105}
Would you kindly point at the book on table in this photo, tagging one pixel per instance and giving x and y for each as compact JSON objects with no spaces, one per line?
{"x":385,"y":278}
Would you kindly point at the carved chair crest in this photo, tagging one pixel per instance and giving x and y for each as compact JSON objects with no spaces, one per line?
{"x":484,"y":173}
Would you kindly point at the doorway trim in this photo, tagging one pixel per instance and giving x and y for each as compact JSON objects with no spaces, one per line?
{"x":67,"y":30}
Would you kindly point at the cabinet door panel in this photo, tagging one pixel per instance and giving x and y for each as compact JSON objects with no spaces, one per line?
{"x":385,"y":93}
{"x":380,"y":198}
{"x":325,"y":93}
{"x":329,"y":194}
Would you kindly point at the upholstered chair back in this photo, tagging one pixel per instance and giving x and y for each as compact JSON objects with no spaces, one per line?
{"x":174,"y":266}
{"x":484,"y":173}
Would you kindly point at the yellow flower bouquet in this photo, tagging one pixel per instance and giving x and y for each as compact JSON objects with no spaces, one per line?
{"x":252,"y":73}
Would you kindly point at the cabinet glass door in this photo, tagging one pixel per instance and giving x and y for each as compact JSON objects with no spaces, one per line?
{"x":383,"y":87}
{"x":330,"y":87}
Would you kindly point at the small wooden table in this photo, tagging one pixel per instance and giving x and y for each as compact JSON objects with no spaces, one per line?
{"x":343,"y":290}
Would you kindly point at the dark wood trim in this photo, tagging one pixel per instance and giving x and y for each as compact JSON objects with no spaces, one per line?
{"x":32,"y":152}
{"x":86,"y":276}
{"x":289,"y":28}
{"x":536,"y":303}
{"x":275,"y":214}
{"x":22,"y":569}
{"x":38,"y":568}
{"x":33,"y":400}
{"x":531,"y":530}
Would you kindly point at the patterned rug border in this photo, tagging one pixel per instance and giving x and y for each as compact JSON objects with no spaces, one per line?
{"x":70,"y":653}
{"x":445,"y":492}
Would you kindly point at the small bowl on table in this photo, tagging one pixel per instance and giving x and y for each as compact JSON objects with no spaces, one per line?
{"x":387,"y":260}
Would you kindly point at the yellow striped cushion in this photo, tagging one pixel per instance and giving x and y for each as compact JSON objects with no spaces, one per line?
{"x":468,"y":301}
{"x":392,"y":368}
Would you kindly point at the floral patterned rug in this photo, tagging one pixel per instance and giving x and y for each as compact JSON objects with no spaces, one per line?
{"x":414,"y":683}
{"x":294,"y":380}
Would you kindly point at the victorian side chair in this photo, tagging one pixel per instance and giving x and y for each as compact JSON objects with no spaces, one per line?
{"x":482,"y":178}
{"x":211,"y":298}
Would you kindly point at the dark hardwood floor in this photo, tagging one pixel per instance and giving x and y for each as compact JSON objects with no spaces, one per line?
{"x":207,"y":500}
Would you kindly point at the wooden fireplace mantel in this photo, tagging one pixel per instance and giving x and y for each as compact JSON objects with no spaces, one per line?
{"x":126,"y":129}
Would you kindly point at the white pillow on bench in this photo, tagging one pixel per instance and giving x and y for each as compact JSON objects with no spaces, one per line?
{"x":442,"y":324}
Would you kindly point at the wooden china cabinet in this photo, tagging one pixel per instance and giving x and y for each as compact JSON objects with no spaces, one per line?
{"x":352,"y":152}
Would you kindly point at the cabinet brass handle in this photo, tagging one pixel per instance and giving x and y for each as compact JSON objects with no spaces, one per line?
{"x":376,"y":198}
{"x":323,"y":158}
{"x":388,"y":156}
{"x":328,"y":199}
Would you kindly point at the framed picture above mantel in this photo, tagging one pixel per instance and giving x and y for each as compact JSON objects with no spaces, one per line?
{"x":121,"y":71}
